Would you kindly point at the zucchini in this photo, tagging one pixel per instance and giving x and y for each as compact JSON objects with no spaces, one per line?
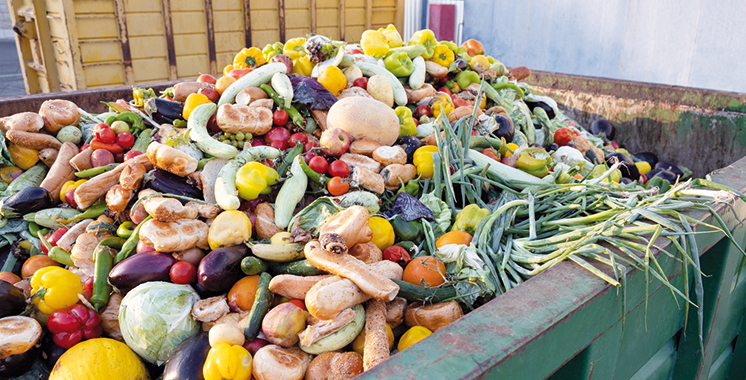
{"x":342,"y":337}
{"x":278,"y":252}
{"x":225,"y":185}
{"x":259,"y":308}
{"x":417,"y":79}
{"x":283,"y":87}
{"x":370,"y":69}
{"x":197,"y":127}
{"x":412,"y":292}
{"x":290,"y":194}
{"x":251,"y":265}
{"x":259,"y":76}
{"x":298,"y":268}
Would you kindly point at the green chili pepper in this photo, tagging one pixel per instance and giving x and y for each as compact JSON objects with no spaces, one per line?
{"x":143,"y":140}
{"x":292,"y":111}
{"x":412,"y":187}
{"x":465,"y":78}
{"x":512,"y":86}
{"x":125,"y":229}
{"x":534,"y":161}
{"x":310,"y":173}
{"x":202,"y":162}
{"x":406,"y":230}
{"x":61,"y":256}
{"x":178,"y":123}
{"x":92,"y":172}
{"x":33,"y":228}
{"x":92,"y":212}
{"x":130,"y":245}
{"x":289,"y":157}
{"x":104,"y":263}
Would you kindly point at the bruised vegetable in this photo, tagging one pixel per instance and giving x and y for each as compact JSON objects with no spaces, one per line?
{"x":12,"y":300}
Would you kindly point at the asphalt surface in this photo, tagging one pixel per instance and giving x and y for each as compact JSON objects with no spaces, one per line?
{"x":11,"y":77}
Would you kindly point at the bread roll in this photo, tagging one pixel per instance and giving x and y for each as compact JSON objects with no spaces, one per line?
{"x":335,"y":366}
{"x":273,"y":362}
{"x":171,"y":160}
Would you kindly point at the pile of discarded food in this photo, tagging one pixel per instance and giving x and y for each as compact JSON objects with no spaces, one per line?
{"x":317,"y":208}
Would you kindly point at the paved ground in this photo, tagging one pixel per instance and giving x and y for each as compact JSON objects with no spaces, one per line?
{"x":11,"y":78}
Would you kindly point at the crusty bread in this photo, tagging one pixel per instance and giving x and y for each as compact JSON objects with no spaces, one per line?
{"x":434,"y":316}
{"x":292,"y":286}
{"x":376,"y":347}
{"x":61,"y":171}
{"x":246,"y":119}
{"x":364,"y":147}
{"x":89,"y":192}
{"x":175,"y":236}
{"x":58,"y":113}
{"x":171,"y":160}
{"x":208,"y":175}
{"x":368,"y":252}
{"x":395,"y":312}
{"x":369,"y":180}
{"x":335,"y":366}
{"x":273,"y":362}
{"x":358,"y":160}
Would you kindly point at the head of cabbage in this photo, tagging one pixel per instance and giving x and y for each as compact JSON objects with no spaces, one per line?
{"x":155,"y":317}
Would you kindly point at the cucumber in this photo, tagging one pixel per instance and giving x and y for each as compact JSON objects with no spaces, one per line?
{"x":341,"y":338}
{"x":290,"y":194}
{"x":370,"y":69}
{"x":281,"y":84}
{"x":197,"y":127}
{"x":259,"y":76}
{"x":417,"y":78}
{"x":251,"y":265}
{"x":259,"y":308}
{"x":298,"y":268}
{"x":225,"y":185}
{"x":412,"y":292}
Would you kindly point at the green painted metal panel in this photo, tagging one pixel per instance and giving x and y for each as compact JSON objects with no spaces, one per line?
{"x":738,"y":372}
{"x":660,"y":366}
{"x":719,"y":369}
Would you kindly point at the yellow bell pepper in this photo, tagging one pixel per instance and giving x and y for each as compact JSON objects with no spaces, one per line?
{"x":374,"y":43}
{"x":69,"y":185}
{"x":412,"y":336}
{"x":54,"y":288}
{"x":426,"y":38}
{"x":450,"y":44}
{"x":383,"y":232}
{"x":423,"y":160}
{"x":443,"y":56}
{"x":479,"y":63}
{"x":23,"y":157}
{"x":227,"y":362}
{"x":193,"y":101}
{"x":231,"y":227}
{"x":254,"y":179}
{"x":333,"y":79}
{"x":251,"y":57}
{"x":227,"y":69}
{"x":442,"y":104}
{"x":643,"y":167}
{"x":393,"y":38}
{"x":294,"y":48}
{"x":303,"y":66}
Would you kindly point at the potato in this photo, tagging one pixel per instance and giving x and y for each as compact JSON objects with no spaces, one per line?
{"x":380,"y":89}
{"x":365,"y":118}
{"x":226,"y":333}
{"x":101,"y":157}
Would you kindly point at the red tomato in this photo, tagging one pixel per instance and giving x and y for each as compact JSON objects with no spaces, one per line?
{"x":183,"y":272}
{"x":309,"y":145}
{"x":257,"y":142}
{"x":277,"y":144}
{"x":421,"y":111}
{"x":309,"y":156}
{"x":361,"y":82}
{"x":297,"y":138}
{"x":459,"y":101}
{"x":238,"y":73}
{"x":88,"y":288}
{"x":56,"y":235}
{"x":106,"y":135}
{"x":318,"y":164}
{"x":280,"y":117}
{"x":207,"y":78}
{"x":132,"y":154}
{"x":210,"y":93}
{"x":298,"y":303}
{"x":125,"y":140}
{"x":337,"y":186}
{"x":564,"y":135}
{"x":446,"y":90}
{"x":397,"y":254}
{"x":338,"y":169}
{"x":70,"y":198}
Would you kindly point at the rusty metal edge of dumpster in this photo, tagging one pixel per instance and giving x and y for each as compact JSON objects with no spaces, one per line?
{"x":88,"y":100}
{"x":688,"y":96}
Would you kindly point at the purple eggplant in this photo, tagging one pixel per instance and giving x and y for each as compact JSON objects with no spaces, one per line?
{"x":603,"y":127}
{"x":221,"y":268}
{"x":187,"y":361}
{"x":141,"y":268}
{"x":165,"y":182}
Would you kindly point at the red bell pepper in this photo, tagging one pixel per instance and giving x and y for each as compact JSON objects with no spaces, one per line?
{"x":397,"y":254}
{"x":113,"y":148}
{"x":69,"y":326}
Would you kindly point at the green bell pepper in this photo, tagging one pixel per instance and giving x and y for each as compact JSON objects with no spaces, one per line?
{"x":399,"y":64}
{"x":534,"y":161}
{"x":426,"y":38}
{"x":465,"y":78}
{"x":271,"y":50}
{"x":407,"y":230}
{"x":407,"y":127}
{"x":469,"y":218}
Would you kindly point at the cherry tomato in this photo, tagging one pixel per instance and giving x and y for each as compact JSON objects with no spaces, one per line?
{"x":296,"y":138}
{"x":70,"y":198}
{"x":210,"y":93}
{"x":277,"y":144}
{"x":446,"y":90}
{"x":125,"y":140}
{"x":132,"y":154}
{"x":88,"y":288}
{"x":57,"y":235}
{"x":238,"y":73}
{"x":564,"y":136}
{"x":309,"y":145}
{"x":298,"y":303}
{"x":207,"y":78}
{"x":337,"y":186}
{"x":318,"y":164}
{"x":309,"y":156}
{"x":338,"y":169}
{"x":361,"y":82}
{"x":280,"y":117}
{"x":106,"y":135}
{"x":422,"y":110}
{"x":183,"y":272}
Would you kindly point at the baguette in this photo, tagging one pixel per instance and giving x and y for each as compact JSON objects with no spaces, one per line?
{"x":335,"y":366}
{"x":82,"y":160}
{"x":48,"y":156}
{"x":376,"y":347}
{"x":368,"y":252}
{"x":171,"y":160}
{"x":87,"y":193}
{"x":292,"y":286}
{"x":345,"y":229}
{"x":366,"y":278}
{"x":33,"y":140}
{"x":61,"y":171}
{"x":368,"y":180}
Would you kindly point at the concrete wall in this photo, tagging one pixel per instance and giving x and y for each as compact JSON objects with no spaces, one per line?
{"x":6,"y":29}
{"x":696,"y":43}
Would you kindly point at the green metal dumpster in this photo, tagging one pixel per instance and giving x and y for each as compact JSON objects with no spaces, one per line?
{"x":568,"y":324}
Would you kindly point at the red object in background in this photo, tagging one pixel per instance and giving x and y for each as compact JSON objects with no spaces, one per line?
{"x":443,"y":21}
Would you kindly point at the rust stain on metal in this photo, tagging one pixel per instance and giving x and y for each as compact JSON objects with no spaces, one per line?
{"x":210,"y":21}
{"x":170,"y":48}
{"x":313,"y":16}
{"x":342,"y":15}
{"x":247,"y":22}
{"x":281,"y":18}
{"x":120,"y":13}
